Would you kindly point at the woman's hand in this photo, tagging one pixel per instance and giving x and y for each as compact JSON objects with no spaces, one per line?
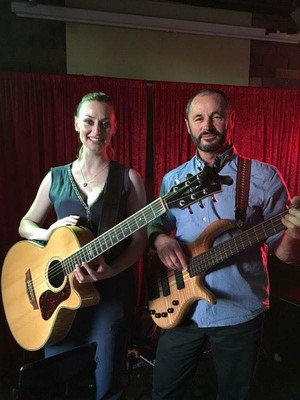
{"x":70,"y":220}
{"x":94,"y":271}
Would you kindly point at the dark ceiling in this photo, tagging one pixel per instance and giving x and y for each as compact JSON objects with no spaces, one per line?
{"x":273,"y":7}
{"x":274,"y":15}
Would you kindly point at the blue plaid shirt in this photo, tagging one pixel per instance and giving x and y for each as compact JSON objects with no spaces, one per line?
{"x":240,"y":284}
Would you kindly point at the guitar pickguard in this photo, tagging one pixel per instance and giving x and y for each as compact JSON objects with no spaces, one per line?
{"x":49,"y":301}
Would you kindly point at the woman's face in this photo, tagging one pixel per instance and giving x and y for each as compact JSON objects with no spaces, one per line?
{"x":96,"y":124}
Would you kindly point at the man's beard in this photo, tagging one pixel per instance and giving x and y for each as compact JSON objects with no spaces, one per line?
{"x":210,"y":147}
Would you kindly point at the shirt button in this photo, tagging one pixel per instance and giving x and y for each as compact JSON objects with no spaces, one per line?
{"x":204,"y":219}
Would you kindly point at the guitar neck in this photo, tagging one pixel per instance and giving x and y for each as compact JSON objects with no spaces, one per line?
{"x":215,"y":255}
{"x":114,"y":235}
{"x":181,"y":195}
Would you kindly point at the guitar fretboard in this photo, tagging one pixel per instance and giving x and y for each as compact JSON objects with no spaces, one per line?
{"x":114,"y":235}
{"x":223,"y":251}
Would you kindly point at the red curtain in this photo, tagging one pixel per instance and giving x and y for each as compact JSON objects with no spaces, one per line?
{"x":37,"y":121}
{"x":267,"y":127}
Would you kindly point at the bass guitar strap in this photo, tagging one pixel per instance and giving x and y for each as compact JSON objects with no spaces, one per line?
{"x":242,"y":190}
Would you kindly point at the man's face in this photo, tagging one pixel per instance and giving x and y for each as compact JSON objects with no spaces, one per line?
{"x":207,"y":122}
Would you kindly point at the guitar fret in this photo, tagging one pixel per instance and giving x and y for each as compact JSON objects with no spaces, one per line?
{"x":113,"y":236}
{"x":180,"y":196}
{"x":221,"y":252}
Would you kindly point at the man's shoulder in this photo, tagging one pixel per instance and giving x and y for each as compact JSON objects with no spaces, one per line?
{"x":263,"y":166}
{"x":181,"y":171}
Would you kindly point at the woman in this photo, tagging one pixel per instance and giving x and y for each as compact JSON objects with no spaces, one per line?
{"x":77,"y":192}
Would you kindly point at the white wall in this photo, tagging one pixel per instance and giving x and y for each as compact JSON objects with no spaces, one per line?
{"x":154,"y":55}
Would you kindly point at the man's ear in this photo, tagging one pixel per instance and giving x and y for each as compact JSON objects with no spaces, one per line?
{"x":187,"y":125}
{"x":231,"y":120}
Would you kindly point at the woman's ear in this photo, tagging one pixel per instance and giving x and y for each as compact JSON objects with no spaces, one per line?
{"x":76,"y":124}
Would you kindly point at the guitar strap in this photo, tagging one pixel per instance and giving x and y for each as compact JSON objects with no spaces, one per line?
{"x":242,"y":190}
{"x":112,"y":197}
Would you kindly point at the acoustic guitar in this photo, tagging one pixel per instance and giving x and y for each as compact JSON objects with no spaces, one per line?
{"x":172,"y":292}
{"x":39,"y":291}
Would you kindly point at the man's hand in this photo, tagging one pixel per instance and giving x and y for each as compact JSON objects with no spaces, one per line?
{"x":292,"y":219}
{"x":170,"y":252}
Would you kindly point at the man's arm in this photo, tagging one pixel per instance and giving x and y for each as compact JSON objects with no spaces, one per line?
{"x":288,"y":249}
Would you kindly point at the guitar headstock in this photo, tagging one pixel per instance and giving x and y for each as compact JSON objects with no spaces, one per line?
{"x":195,"y":188}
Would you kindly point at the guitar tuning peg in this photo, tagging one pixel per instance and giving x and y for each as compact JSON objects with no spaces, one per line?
{"x":190,"y":210}
{"x":188,"y":176}
{"x":200,"y":202}
{"x":214,"y":199}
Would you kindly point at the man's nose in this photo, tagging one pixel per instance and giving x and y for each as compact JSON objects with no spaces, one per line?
{"x":208,"y":123}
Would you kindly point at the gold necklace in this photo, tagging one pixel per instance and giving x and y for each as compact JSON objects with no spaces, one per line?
{"x":89,"y":180}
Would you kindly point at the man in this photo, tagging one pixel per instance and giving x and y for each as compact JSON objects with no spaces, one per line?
{"x":240,"y":284}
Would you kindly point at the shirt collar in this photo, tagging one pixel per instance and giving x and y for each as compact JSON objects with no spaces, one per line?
{"x":220,"y":159}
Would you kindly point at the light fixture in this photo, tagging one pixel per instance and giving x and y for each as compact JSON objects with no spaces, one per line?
{"x":104,"y":18}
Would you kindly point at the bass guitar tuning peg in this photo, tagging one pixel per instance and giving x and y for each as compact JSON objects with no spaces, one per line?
{"x":200,"y":202}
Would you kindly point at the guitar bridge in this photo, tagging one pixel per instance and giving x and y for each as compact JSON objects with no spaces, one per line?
{"x":30,"y":291}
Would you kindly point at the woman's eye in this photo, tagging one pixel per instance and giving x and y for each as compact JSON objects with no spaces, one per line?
{"x":89,"y":121}
{"x":106,"y":124}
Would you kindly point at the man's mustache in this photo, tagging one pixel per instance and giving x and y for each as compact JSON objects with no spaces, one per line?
{"x":209,"y":132}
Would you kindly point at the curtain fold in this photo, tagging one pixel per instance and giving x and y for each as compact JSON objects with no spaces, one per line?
{"x":37,"y":120}
{"x":267,"y":127}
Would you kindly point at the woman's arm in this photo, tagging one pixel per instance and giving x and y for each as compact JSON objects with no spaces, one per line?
{"x":30,"y":225}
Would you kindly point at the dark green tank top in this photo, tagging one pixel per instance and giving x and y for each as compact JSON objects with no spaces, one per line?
{"x":67,"y":199}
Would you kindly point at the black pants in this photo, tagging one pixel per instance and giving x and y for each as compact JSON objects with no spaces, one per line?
{"x":234,"y":352}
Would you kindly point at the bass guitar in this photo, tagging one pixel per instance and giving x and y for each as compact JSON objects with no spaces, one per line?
{"x":39,"y":291}
{"x":172,"y":292}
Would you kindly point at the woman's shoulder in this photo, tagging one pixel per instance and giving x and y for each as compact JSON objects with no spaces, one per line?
{"x":60,"y":168}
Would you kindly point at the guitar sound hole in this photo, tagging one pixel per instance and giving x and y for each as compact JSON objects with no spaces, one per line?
{"x":55,"y":274}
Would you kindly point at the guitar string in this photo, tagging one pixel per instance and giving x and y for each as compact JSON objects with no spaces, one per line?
{"x":209,"y":261}
{"x":69,"y":262}
{"x":182,"y":187}
{"x":56,"y":270}
{"x":216,"y":254}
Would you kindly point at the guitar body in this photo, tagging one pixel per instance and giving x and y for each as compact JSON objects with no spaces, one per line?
{"x":40,"y":302}
{"x":39,"y":291}
{"x":171,"y":293}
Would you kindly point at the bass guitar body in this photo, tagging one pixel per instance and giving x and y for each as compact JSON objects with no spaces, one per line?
{"x":172,"y":292}
{"x":40,"y":299}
